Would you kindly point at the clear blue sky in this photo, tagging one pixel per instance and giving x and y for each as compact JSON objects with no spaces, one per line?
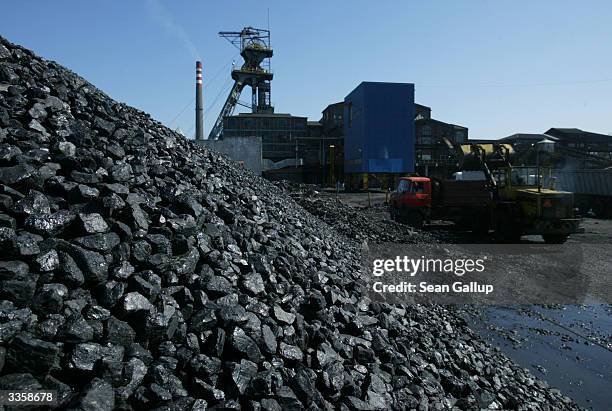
{"x":497,"y":67}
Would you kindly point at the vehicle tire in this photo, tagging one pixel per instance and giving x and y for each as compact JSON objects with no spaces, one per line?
{"x":415,"y":220}
{"x":584,"y":209}
{"x":506,"y":233}
{"x":600,"y":211}
{"x":463,"y":224}
{"x":555,"y":238}
{"x":506,"y":229}
{"x":480,"y":227}
{"x":508,"y":236}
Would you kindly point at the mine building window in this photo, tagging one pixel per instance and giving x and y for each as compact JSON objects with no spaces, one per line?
{"x":425,"y":139}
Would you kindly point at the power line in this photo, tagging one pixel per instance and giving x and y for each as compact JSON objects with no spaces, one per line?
{"x":222,"y":91}
{"x":182,"y":111}
{"x":208,"y":83}
{"x":501,"y":85}
{"x":230,"y":61}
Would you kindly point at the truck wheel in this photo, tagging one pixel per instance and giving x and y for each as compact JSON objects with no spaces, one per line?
{"x":508,"y":236}
{"x":480,"y":227}
{"x":602,"y":210}
{"x":599,"y":210}
{"x":554,"y":238}
{"x":506,"y":229}
{"x":415,"y":220}
{"x":506,"y":233}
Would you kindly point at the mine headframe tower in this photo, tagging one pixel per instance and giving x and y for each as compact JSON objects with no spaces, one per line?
{"x":254,"y":46}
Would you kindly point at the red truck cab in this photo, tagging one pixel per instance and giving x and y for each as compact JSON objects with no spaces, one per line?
{"x":464,"y":202}
{"x":411,"y":201}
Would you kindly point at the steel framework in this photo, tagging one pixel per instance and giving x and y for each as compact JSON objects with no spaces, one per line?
{"x":254,"y":46}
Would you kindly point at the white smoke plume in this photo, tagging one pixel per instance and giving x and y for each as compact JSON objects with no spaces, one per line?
{"x":162,"y":16}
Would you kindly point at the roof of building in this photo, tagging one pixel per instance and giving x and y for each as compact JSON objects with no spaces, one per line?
{"x":332,"y":105}
{"x":433,"y":120}
{"x":482,"y":141}
{"x":529,"y":136}
{"x":314,"y":124}
{"x":575,"y":134}
{"x":280,"y":115}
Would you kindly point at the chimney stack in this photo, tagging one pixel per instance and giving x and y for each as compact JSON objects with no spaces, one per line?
{"x":199,"y":109}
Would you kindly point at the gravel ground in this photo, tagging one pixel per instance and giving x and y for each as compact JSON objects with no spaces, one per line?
{"x":569,"y":346}
{"x":142,"y":272}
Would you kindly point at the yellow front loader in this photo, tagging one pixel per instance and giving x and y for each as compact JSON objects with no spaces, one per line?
{"x":520,"y":206}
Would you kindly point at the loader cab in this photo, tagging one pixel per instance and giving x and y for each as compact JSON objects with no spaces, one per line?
{"x":525,"y":176}
{"x":512,"y":180}
{"x":519,"y":176}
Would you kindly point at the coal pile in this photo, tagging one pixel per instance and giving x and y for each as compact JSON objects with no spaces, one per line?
{"x":354,"y":223}
{"x":139,"y":271}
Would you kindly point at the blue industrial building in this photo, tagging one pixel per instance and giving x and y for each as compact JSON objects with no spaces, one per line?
{"x":379,"y":129}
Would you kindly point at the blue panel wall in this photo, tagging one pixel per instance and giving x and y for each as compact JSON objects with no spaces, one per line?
{"x":379,"y":128}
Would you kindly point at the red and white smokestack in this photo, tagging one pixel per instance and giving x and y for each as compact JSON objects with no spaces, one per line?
{"x":199,"y":109}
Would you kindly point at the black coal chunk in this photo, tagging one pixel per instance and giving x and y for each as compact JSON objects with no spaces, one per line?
{"x":241,"y":374}
{"x":92,"y":264}
{"x":24,"y":245}
{"x":97,"y":395}
{"x":245,"y":345}
{"x":34,"y":203}
{"x":29,"y":354}
{"x":91,"y":223}
{"x":13,"y":270}
{"x":49,"y":224}
{"x":16,"y":174}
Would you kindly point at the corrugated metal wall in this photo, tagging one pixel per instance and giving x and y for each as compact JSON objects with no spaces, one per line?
{"x":594,"y":182}
{"x":379,"y":128}
{"x":245,"y":150}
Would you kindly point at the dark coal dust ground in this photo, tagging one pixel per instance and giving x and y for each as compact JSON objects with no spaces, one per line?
{"x":568,"y":346}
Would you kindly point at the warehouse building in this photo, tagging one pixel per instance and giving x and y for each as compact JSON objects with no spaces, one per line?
{"x":433,"y":156}
{"x":279,"y":133}
{"x":574,"y":148}
{"x":591,"y":143}
{"x":378,"y":134}
{"x":421,"y":112}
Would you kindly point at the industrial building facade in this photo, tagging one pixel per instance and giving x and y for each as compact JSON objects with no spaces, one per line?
{"x":376,"y":134}
{"x":574,"y":148}
{"x":433,"y":155}
{"x":280,"y":133}
{"x":593,"y":143}
{"x":378,"y":131}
